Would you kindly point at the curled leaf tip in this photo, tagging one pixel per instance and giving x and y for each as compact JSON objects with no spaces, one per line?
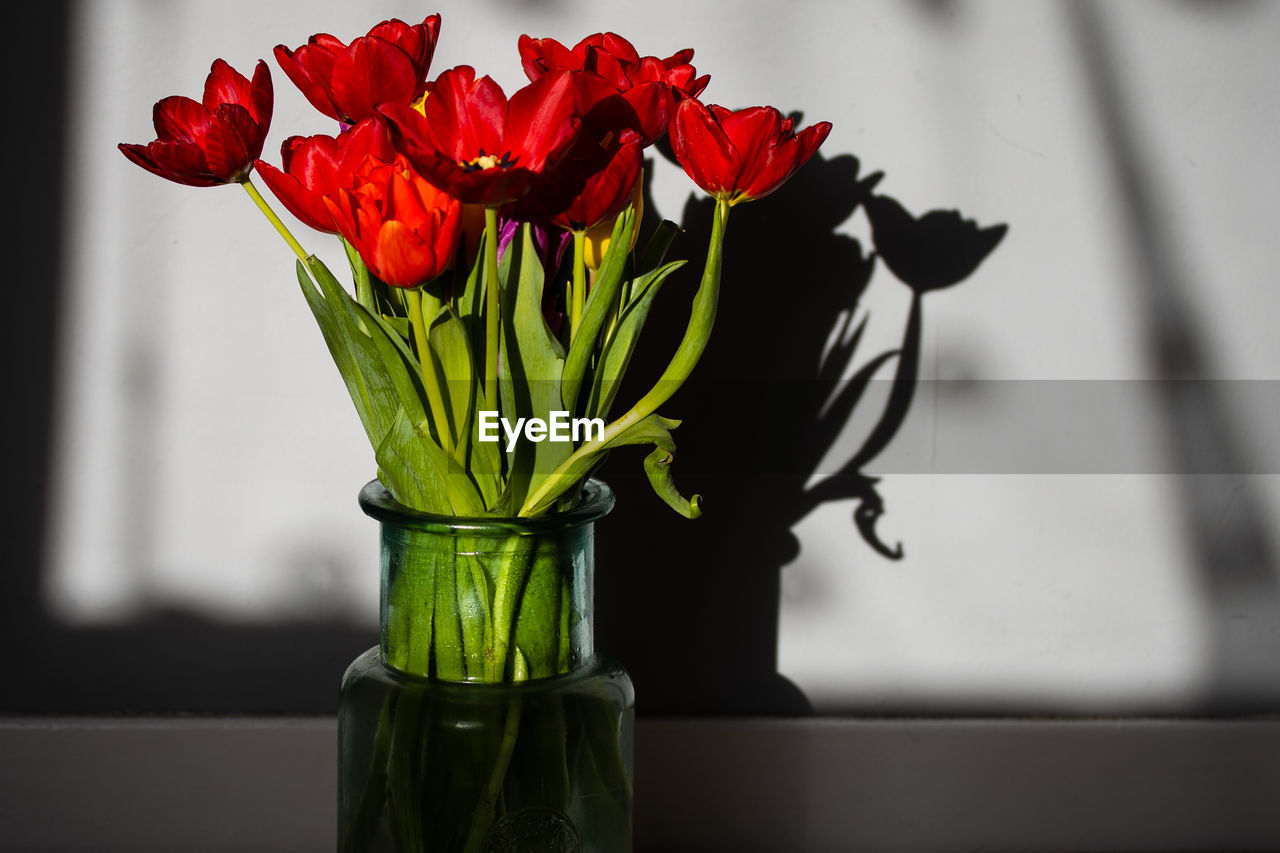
{"x":865,"y":517}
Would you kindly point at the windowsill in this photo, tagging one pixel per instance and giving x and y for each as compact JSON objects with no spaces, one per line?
{"x":811,"y":784}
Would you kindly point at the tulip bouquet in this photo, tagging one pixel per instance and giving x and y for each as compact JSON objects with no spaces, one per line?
{"x":498,"y":280}
{"x":492,"y":243}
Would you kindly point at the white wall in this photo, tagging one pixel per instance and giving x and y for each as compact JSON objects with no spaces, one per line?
{"x":208,"y":455}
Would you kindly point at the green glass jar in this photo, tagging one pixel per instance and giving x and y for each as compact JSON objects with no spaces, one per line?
{"x":484,"y":721}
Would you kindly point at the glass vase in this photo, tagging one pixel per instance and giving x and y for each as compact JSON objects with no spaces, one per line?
{"x":484,"y":721}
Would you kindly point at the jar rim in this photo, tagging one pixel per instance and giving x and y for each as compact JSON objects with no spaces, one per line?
{"x":595,"y":502}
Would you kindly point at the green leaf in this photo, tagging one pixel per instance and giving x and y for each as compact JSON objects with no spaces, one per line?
{"x":656,"y":249}
{"x":397,"y":325}
{"x":599,"y":305}
{"x":452,"y":348}
{"x":701,"y":319}
{"x":470,"y":302}
{"x":383,"y":380}
{"x":360,"y":273}
{"x":335,"y":324}
{"x":617,"y":353}
{"x":421,"y":475}
{"x":402,"y":368}
{"x":654,"y":429}
{"x":448,"y":340}
{"x":657,"y":465}
{"x":533,"y":365}
{"x":406,"y":470}
{"x":447,"y":624}
{"x":538,"y":621}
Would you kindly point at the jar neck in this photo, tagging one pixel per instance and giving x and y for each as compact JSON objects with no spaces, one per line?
{"x":490,"y":600}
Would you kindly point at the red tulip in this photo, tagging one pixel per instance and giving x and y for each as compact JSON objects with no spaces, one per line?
{"x":347,"y":82}
{"x":317,"y":166}
{"x":649,"y":84}
{"x":593,"y":180}
{"x":214,"y":141}
{"x":611,"y":56}
{"x":743,"y":155}
{"x":478,"y":146}
{"x":404,"y":228}
{"x":606,"y":192}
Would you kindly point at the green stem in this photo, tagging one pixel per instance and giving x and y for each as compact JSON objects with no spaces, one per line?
{"x":578,"y":307}
{"x":511,"y":574}
{"x":274,"y":220}
{"x":563,"y":646}
{"x":471,"y":598}
{"x":404,"y":786}
{"x":483,"y":818}
{"x":491,"y":316}
{"x":449,"y":648}
{"x":407,"y":640}
{"x":702,"y":318}
{"x":426,"y":361}
{"x":373,"y":797}
{"x":483,"y":609}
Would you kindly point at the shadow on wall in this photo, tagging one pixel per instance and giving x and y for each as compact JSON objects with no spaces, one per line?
{"x":697,"y":620}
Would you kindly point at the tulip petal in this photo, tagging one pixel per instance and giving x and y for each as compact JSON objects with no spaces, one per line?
{"x":756,"y":133}
{"x":297,"y":197}
{"x":261,"y":95}
{"x":466,"y":116}
{"x":310,"y":67}
{"x":180,"y":119}
{"x":418,"y":42}
{"x":542,"y":120}
{"x":401,"y":257}
{"x":237,"y":119}
{"x":703,"y":149}
{"x":605,"y":192}
{"x":174,"y":161}
{"x":680,"y":57}
{"x":327,"y":42}
{"x":651,"y":103}
{"x":619,"y":48}
{"x":225,"y":85}
{"x":232,"y":143}
{"x":370,"y":72}
{"x":539,"y":56}
{"x":368,"y":138}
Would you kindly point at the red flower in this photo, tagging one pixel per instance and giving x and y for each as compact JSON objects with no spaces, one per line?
{"x":650,"y":85}
{"x":347,"y":82}
{"x":478,"y":146}
{"x":743,"y":155}
{"x":215,"y":141}
{"x":594,"y":179}
{"x":317,"y":166}
{"x":605,"y":192}
{"x":404,"y":228}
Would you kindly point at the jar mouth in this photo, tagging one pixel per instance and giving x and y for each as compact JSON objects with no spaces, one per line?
{"x":595,"y":502}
